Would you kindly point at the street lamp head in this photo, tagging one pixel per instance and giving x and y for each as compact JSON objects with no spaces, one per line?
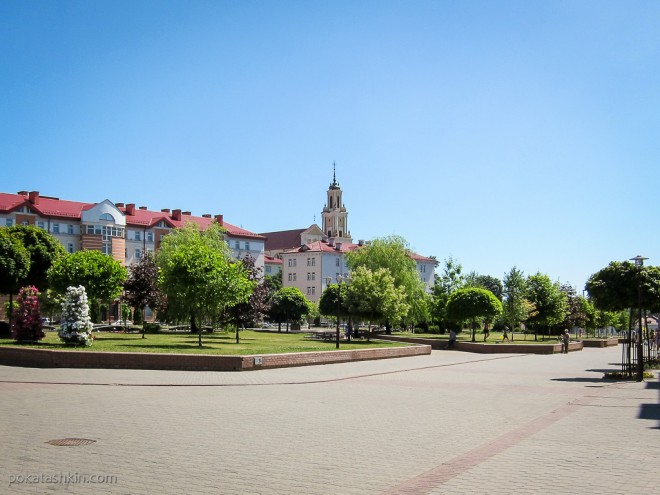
{"x":639,"y":260}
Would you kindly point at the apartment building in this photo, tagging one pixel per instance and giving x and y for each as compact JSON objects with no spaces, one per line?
{"x":123,"y":231}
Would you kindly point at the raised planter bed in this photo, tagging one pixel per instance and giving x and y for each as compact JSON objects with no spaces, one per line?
{"x":46,"y":358}
{"x":612,"y":341}
{"x":488,"y":348}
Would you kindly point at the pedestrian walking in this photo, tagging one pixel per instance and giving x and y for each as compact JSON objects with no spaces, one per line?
{"x":452,"y":338}
{"x":566,"y":338}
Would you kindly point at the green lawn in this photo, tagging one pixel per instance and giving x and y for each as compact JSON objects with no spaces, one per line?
{"x":213,"y":343}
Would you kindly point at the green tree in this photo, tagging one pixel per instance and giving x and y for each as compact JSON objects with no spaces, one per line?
{"x":448,"y":281}
{"x":289,"y":305}
{"x":473,"y":305}
{"x":333,"y":296}
{"x":616,"y":287}
{"x":312,"y":312}
{"x":393,"y":254}
{"x":550,"y":303}
{"x":14,"y":266}
{"x":577,"y":308}
{"x":198,"y":276}
{"x":44,"y":250}
{"x":141,"y":287}
{"x":493,"y":284}
{"x":516,"y":308}
{"x":102,"y":276}
{"x":253,"y":310}
{"x":273,"y":282}
{"x":373,"y":296}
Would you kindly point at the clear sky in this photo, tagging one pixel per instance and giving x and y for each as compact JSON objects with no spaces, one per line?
{"x":499,"y":133}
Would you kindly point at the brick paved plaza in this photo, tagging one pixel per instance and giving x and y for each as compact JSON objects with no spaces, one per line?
{"x":448,"y":423}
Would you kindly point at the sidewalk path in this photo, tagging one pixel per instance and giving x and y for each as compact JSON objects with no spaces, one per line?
{"x":442,"y":424}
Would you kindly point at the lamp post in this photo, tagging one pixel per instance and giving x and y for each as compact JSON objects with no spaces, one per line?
{"x":340,"y":278}
{"x":639,"y":262}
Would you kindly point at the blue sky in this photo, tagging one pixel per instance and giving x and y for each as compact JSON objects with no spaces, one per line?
{"x":499,"y":133}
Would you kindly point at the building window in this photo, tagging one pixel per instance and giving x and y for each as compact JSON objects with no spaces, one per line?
{"x":337,"y":262}
{"x":313,"y":261}
{"x":237,"y":245}
{"x":69,"y":247}
{"x":69,"y":229}
{"x":106,"y":248}
{"x":25,"y":223}
{"x":107,"y":232}
{"x":247,"y":245}
{"x":56,"y":228}
{"x":313,"y":291}
{"x":268,"y":269}
{"x":294,"y":261}
{"x":138,"y":253}
{"x":138,"y":235}
{"x":9,"y":222}
{"x":313,"y":276}
{"x":309,"y":291}
{"x":150,"y":237}
{"x":290,"y":277}
{"x":41,"y":225}
{"x":106,"y":217}
{"x":294,"y":277}
{"x":309,"y":276}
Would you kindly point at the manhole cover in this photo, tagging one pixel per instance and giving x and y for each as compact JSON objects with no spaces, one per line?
{"x":70,"y":442}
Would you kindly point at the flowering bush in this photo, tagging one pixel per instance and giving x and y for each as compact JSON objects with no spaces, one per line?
{"x":76,"y":325}
{"x":27,"y":325}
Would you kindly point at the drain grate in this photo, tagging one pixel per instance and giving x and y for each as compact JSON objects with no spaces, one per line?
{"x":70,"y":442}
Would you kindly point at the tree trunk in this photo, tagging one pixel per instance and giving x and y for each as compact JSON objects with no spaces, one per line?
{"x":144,"y":324}
{"x":237,"y":337}
{"x":11,"y":311}
{"x":193,"y":326}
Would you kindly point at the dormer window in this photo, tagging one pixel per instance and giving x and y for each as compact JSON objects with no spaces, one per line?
{"x":106,"y":217}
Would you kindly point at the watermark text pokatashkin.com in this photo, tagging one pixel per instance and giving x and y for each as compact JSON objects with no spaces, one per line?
{"x":62,"y":478}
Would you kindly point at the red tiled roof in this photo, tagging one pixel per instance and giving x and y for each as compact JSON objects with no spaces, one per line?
{"x":324,"y":247}
{"x":47,"y":206}
{"x":272,"y":260}
{"x":283,"y":239}
{"x":419,"y":257}
{"x":53,"y":207}
{"x":346,"y":247}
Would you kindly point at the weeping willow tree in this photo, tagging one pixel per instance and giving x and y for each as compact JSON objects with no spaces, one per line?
{"x":198,"y":276}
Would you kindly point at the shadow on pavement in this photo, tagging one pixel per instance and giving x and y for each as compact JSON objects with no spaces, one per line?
{"x":581,"y":380}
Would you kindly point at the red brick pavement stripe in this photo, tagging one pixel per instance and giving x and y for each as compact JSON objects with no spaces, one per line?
{"x":455,"y":467}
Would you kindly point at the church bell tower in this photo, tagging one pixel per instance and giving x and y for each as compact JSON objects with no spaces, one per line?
{"x":335,"y":216}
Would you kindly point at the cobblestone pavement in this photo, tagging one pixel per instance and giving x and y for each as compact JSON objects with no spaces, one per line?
{"x":448,"y":423}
